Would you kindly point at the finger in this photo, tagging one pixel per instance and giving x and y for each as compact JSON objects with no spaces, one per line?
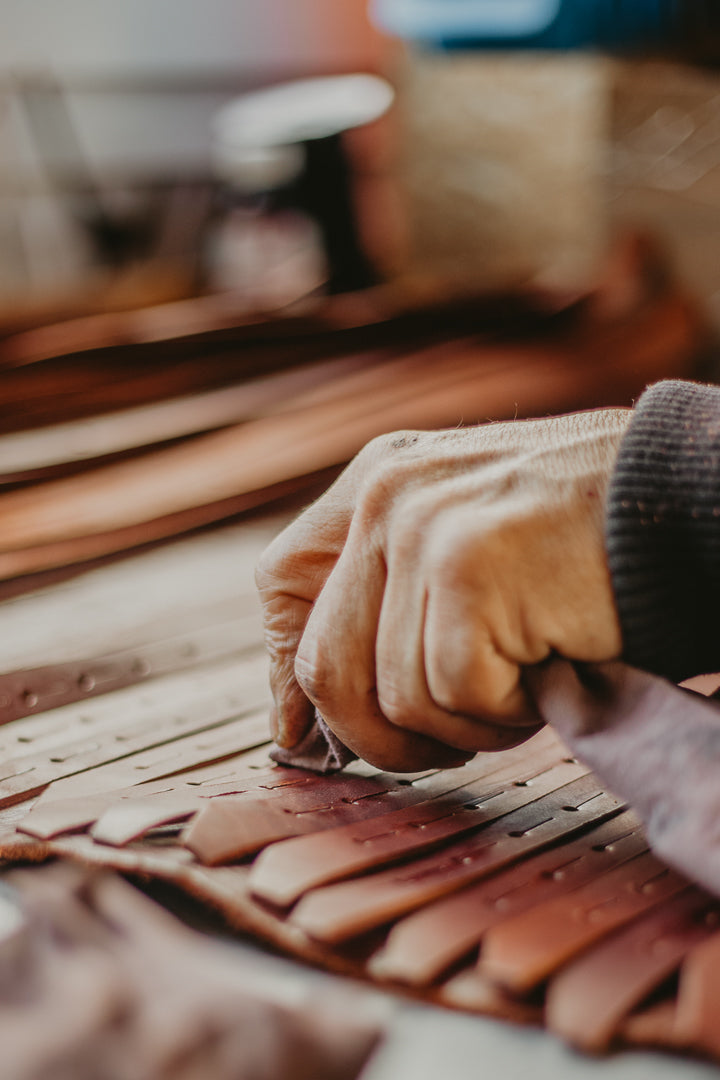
{"x":402,"y":687}
{"x":289,"y":576}
{"x":466,"y":670}
{"x":335,"y":665}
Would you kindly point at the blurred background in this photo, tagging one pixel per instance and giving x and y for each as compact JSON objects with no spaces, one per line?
{"x":125,"y":178}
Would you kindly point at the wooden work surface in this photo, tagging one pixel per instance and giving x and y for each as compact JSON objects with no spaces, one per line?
{"x":134,"y":694}
{"x":132,"y":687}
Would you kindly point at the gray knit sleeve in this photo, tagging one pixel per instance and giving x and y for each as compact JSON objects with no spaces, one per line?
{"x":663,"y":531}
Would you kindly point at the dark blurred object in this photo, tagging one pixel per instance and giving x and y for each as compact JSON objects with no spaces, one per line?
{"x":284,"y":147}
{"x":98,"y":981}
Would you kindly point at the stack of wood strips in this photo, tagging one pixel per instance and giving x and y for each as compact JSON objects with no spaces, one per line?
{"x":516,"y":886}
{"x":124,"y":429}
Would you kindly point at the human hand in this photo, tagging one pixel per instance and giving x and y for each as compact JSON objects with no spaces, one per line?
{"x":405,"y":603}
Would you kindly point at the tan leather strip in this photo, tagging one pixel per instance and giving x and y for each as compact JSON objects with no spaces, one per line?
{"x":346,"y":909}
{"x":652,"y":1026}
{"x":31,"y":560}
{"x":215,"y":827}
{"x":228,"y":829}
{"x":587,"y":999}
{"x":51,"y":817}
{"x":522,"y":951}
{"x":21,"y":775}
{"x":470,"y":990}
{"x":133,"y":818}
{"x":207,"y":743}
{"x":232,"y":685}
{"x":34,"y":690}
{"x":82,"y":440}
{"x":696,"y":1020}
{"x":221,"y":833}
{"x":423,"y":945}
{"x":285,"y":871}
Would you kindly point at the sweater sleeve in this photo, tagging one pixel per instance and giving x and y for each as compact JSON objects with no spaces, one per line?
{"x":663,"y":531}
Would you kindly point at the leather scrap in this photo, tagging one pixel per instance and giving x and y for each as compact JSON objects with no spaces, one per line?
{"x":320,"y":750}
{"x":653,"y":744}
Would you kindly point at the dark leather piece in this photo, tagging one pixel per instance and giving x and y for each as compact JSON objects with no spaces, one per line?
{"x":654,"y":744}
{"x":320,"y":750}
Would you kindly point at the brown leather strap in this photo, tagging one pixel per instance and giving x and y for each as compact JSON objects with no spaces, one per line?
{"x":423,"y":945}
{"x":522,"y":951}
{"x":34,"y":690}
{"x":285,"y":871}
{"x":346,"y":909}
{"x":226,"y":830}
{"x":696,"y":1019}
{"x":587,"y":1000}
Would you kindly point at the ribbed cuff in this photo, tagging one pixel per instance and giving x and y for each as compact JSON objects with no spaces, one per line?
{"x":663,"y":531}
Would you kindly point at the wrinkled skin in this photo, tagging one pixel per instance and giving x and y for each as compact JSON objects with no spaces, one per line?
{"x":405,"y":603}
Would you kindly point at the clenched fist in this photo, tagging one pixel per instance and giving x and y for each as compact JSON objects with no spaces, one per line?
{"x":405,"y":603}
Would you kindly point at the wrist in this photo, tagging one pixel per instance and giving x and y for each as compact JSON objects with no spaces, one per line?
{"x":663,"y":530}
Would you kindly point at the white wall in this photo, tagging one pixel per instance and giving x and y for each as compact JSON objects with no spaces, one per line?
{"x":121,"y":38}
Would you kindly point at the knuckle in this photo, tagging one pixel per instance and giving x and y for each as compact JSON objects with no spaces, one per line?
{"x":269,"y":568}
{"x":448,"y":559}
{"x":448,"y":694}
{"x":395,"y":704}
{"x":393,"y":493}
{"x":313,"y":677}
{"x":389,"y":443}
{"x":265,"y":572}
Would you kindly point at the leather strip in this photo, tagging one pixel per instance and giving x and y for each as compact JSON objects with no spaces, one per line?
{"x":23,"y":693}
{"x":87,"y":515}
{"x":30,"y":454}
{"x":346,"y":909}
{"x":652,"y":1026}
{"x":422,"y":945}
{"x":285,"y":871}
{"x":51,"y":816}
{"x":471,"y":991}
{"x":225,"y":832}
{"x":229,"y":829}
{"x":173,"y":734}
{"x":696,"y":1017}
{"x":205,"y":744}
{"x":522,"y":951}
{"x":587,"y":1000}
{"x":211,"y":689}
